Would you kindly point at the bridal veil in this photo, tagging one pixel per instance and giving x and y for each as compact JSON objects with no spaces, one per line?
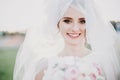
{"x":45,"y":40}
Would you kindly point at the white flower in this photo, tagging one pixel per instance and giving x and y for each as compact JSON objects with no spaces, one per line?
{"x":69,"y":68}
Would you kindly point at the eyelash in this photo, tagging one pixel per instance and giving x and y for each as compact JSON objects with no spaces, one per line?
{"x":68,"y":21}
{"x":82,"y":21}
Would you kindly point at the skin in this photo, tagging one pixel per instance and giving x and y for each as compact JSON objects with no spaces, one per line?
{"x":73,"y":29}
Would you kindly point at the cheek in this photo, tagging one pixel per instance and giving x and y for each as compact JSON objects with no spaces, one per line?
{"x":64,"y":28}
{"x":83,"y":27}
{"x":83,"y":31}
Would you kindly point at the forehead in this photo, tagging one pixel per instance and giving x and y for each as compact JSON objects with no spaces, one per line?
{"x":73,"y":12}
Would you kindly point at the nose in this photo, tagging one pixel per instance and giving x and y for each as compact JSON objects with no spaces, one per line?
{"x":75,"y":27}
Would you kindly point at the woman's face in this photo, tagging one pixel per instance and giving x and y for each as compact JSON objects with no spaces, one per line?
{"x":72,"y":26}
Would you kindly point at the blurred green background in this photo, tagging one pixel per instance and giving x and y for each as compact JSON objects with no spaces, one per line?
{"x":9,"y":45}
{"x":7,"y":60}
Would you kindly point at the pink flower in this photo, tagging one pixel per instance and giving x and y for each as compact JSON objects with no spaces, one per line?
{"x":93,"y":76}
{"x":74,"y":79}
{"x":98,"y":69}
{"x":83,"y":74}
{"x":71,"y":73}
{"x":72,"y":70}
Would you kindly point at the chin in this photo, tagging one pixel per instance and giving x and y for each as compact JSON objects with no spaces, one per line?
{"x":73,"y":42}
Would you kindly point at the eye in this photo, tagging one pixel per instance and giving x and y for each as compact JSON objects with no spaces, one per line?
{"x":82,"y":21}
{"x":67,"y":21}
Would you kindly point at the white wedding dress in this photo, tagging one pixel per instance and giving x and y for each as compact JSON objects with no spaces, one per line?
{"x":73,"y":68}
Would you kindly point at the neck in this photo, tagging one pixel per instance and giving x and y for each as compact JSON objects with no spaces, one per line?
{"x":75,"y":50}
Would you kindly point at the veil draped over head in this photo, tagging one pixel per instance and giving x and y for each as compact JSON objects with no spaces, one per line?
{"x":45,"y":40}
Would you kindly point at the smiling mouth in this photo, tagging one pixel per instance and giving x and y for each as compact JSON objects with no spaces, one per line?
{"x":73,"y":35}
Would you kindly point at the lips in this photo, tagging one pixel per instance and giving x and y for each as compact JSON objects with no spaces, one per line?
{"x":73,"y":35}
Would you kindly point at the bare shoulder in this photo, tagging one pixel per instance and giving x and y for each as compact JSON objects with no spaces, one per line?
{"x":40,"y":75}
{"x":41,"y":68}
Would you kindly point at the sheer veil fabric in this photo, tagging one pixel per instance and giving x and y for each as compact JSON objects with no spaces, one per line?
{"x":44,"y":40}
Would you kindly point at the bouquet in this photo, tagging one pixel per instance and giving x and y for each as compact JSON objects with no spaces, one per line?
{"x":71,"y":69}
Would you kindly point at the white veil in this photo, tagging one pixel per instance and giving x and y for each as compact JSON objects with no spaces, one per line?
{"x":45,"y":40}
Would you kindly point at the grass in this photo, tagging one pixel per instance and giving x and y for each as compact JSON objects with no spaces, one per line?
{"x":7,"y":61}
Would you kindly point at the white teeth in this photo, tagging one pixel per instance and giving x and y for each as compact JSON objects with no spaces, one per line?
{"x":73,"y":35}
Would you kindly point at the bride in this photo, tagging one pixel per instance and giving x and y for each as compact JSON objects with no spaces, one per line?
{"x":71,"y":43}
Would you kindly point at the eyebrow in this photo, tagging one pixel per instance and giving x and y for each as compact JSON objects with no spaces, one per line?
{"x":67,"y":18}
{"x":82,"y":18}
